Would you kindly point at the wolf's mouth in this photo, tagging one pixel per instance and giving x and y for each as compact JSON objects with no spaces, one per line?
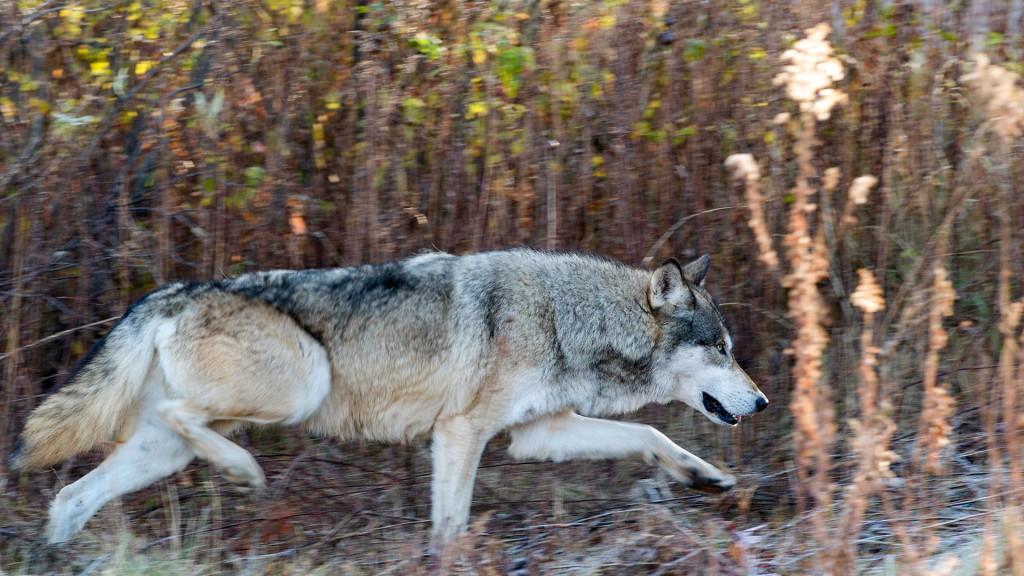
{"x":713,"y":406}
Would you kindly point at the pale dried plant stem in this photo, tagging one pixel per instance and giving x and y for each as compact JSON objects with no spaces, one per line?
{"x":745,"y":169}
{"x":1009,"y":320}
{"x":1010,"y":379}
{"x":808,"y":77}
{"x":932,"y":424}
{"x":814,"y":430}
{"x":1000,"y":91}
{"x":872,"y":433}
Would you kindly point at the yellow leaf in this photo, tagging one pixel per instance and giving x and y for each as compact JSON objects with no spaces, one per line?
{"x":143,"y":67}
{"x":73,"y":15}
{"x":7,"y":109}
{"x":479,"y":56}
{"x":40,"y":104}
{"x":100,"y":68}
{"x":476,"y":109}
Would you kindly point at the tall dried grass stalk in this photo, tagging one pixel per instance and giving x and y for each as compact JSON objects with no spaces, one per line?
{"x":808,"y":80}
{"x":745,"y":169}
{"x":934,"y":430}
{"x":1011,"y":375}
{"x":999,"y":91}
{"x":872,"y":432}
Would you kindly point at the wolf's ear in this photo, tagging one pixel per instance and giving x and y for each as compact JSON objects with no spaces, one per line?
{"x":668,"y":289}
{"x":695,"y":271}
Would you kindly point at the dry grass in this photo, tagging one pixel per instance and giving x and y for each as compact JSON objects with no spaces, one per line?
{"x":869,"y":257}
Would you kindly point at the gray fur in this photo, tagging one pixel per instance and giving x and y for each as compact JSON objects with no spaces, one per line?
{"x":457,"y":347}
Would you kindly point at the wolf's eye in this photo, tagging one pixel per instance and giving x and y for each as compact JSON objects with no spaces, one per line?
{"x":721,"y":348}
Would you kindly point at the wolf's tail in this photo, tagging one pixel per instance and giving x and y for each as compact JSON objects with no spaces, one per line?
{"x":96,"y":400}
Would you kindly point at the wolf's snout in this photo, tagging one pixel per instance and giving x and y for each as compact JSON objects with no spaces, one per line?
{"x":760,"y":404}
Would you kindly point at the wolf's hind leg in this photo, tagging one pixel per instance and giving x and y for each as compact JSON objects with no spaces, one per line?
{"x":152,"y":452}
{"x":569,"y":436}
{"x":235,"y":462}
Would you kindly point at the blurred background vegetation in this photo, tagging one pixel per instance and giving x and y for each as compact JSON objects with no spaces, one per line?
{"x":154,"y":140}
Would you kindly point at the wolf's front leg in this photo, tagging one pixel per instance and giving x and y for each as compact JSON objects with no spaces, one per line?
{"x":569,"y":436}
{"x":458,"y":443}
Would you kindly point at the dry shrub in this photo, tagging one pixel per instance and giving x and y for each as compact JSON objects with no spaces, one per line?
{"x":810,"y":246}
{"x":811,"y":72}
{"x":872,"y":433}
{"x":745,"y":169}
{"x":808,"y":79}
{"x":1000,"y":92}
{"x":934,"y":431}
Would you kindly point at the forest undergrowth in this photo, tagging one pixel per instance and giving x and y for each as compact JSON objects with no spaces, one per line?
{"x":853,"y":171}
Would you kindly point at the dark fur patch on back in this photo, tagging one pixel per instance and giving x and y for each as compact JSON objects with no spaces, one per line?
{"x":381,"y":282}
{"x":278,"y":295}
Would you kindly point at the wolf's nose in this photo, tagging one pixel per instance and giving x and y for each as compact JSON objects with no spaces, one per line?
{"x":761,"y":404}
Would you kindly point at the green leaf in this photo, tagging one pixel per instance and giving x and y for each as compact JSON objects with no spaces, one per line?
{"x":254,"y":175}
{"x":694,"y":50}
{"x":413,"y":110}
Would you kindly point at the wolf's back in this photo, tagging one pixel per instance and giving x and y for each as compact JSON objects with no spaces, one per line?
{"x":97,"y":398}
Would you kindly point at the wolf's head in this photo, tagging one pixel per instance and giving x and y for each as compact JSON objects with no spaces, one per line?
{"x":694,"y":349}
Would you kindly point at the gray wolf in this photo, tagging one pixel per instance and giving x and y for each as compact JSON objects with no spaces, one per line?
{"x":459,"y":348}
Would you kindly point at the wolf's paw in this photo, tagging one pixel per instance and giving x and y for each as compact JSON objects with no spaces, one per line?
{"x":696,"y":474}
{"x":59,"y":533}
{"x":713,"y":484}
{"x":245,"y":477}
